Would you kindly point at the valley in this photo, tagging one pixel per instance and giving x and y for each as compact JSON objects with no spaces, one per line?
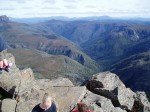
{"x":80,"y":48}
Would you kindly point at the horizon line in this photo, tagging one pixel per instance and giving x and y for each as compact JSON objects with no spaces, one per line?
{"x":118,"y":17}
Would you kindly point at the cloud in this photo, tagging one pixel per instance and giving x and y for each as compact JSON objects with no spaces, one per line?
{"x":125,"y":11}
{"x":90,"y":6}
{"x":26,"y":7}
{"x":7,"y":9}
{"x":59,"y":13}
{"x":19,"y":8}
{"x":18,"y":1}
{"x":71,"y":1}
{"x":51,"y":8}
{"x":71,"y":7}
{"x":50,"y":1}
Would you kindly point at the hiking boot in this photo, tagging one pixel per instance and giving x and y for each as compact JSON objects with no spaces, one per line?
{"x":1,"y":71}
{"x":6,"y":69}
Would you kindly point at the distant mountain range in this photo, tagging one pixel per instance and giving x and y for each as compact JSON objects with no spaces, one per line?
{"x":91,"y":18}
{"x":108,"y":43}
{"x":120,"y":45}
{"x":25,"y":36}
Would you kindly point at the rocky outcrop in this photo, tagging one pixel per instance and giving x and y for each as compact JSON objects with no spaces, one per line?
{"x":10,"y":81}
{"x":142,"y":102}
{"x":99,"y":103}
{"x":60,"y":89}
{"x":28,"y":92}
{"x":111,"y":94}
{"x":110,"y":86}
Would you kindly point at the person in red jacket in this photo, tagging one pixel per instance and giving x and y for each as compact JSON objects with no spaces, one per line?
{"x":82,"y":108}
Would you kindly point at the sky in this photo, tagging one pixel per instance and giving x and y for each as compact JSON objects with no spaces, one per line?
{"x":75,"y":8}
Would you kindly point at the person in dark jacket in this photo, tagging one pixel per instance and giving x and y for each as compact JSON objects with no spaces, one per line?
{"x":47,"y":105}
{"x":3,"y":56}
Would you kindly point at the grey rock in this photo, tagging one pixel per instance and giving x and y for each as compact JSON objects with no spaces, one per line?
{"x":110,"y":86}
{"x":10,"y":81}
{"x":29,"y":92}
{"x":27,"y":75}
{"x":126,"y":97}
{"x":99,"y":103}
{"x":109,"y":80}
{"x":8,"y":105}
{"x":60,"y":82}
{"x":63,"y":96}
{"x":62,"y":91}
{"x":143,"y":100}
{"x":111,"y":94}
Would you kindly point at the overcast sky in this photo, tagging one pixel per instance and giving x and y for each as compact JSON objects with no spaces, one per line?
{"x":75,"y":8}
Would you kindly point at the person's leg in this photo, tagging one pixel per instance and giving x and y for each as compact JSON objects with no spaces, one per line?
{"x":1,"y":66}
{"x":1,"y":62}
{"x":5,"y":61}
{"x":6,"y":68}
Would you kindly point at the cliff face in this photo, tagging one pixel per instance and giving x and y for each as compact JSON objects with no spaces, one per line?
{"x":103,"y":93}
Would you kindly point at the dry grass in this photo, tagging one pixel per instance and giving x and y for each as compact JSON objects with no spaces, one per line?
{"x":49,"y":66}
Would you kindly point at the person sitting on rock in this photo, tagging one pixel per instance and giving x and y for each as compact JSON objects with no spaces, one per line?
{"x":47,"y":105}
{"x":3,"y":56}
{"x":82,"y":108}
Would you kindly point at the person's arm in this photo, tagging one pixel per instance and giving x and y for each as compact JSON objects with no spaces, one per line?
{"x":54,"y":107}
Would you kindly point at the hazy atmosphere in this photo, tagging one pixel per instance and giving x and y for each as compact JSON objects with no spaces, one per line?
{"x":75,"y":8}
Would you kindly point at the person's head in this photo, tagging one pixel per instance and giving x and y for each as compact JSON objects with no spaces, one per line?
{"x":82,"y":107}
{"x":47,"y":100}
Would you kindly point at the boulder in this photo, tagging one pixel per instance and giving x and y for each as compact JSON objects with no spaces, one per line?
{"x":126,"y":98}
{"x":110,"y":86}
{"x":27,"y":75}
{"x":99,"y":103}
{"x":109,"y":80}
{"x":10,"y":81}
{"x":8,"y":105}
{"x":141,"y":103}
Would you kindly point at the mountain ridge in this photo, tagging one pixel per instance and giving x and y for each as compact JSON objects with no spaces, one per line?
{"x":25,"y":36}
{"x":90,"y":18}
{"x":107,"y":42}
